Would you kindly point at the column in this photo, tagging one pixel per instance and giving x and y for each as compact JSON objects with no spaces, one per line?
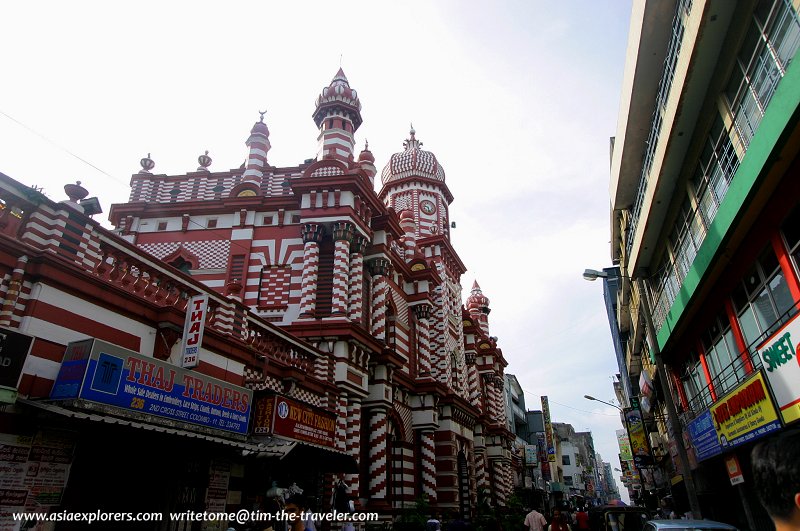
{"x":480,"y":468}
{"x":312,"y":235}
{"x":378,"y":439}
{"x":341,"y":422}
{"x":356,"y":287}
{"x":353,"y":446}
{"x":380,"y":290}
{"x":423,"y":312}
{"x":428,"y":464}
{"x":342,"y":235}
{"x":14,"y":289}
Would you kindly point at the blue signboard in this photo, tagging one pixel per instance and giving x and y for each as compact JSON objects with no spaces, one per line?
{"x":704,"y":436}
{"x":130,"y":381}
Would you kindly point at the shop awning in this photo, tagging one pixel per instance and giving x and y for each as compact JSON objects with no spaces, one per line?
{"x":320,"y":457}
{"x":274,"y":449}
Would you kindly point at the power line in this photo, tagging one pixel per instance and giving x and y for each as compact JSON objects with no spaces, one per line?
{"x":59,"y":146}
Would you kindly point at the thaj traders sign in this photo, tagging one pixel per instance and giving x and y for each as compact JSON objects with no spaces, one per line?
{"x":141,"y":386}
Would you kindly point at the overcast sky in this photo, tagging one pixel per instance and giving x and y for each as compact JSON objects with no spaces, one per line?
{"x":517,"y":100}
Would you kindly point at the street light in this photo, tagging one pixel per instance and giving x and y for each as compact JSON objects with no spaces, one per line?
{"x":672,"y":413}
{"x":587,"y":397}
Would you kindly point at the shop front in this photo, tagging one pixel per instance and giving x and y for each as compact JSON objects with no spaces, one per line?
{"x":123,"y":432}
{"x":722,"y":438}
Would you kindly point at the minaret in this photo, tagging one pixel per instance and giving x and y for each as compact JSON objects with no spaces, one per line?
{"x":259,"y":145}
{"x":478,"y":307}
{"x":337,"y":115}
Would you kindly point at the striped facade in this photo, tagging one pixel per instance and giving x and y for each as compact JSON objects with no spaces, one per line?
{"x":370,"y":280}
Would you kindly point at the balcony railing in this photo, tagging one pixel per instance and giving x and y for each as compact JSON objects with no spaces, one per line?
{"x":682,"y":9}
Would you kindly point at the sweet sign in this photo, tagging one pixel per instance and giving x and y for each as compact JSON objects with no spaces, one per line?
{"x":782,"y":365}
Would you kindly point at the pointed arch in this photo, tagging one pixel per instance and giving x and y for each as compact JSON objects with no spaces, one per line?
{"x":183,"y":259}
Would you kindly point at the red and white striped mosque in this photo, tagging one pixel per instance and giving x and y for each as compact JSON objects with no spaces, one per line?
{"x":344,"y":301}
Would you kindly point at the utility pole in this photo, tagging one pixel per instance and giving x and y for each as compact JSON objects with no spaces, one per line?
{"x":673,"y":421}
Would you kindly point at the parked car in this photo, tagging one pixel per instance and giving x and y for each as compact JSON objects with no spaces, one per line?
{"x":687,"y":525}
{"x":618,"y":518}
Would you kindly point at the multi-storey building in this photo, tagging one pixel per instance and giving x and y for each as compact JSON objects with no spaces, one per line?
{"x":369,"y":279}
{"x":705,"y":210}
{"x":517,"y":421}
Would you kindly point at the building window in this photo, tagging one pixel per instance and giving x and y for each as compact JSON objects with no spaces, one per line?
{"x":769,"y":46}
{"x":296,"y":218}
{"x":568,"y":480}
{"x":722,"y":355}
{"x":695,"y":384}
{"x":212,"y":223}
{"x":762,"y":300}
{"x":162,"y":226}
{"x":717,"y":165}
{"x":267,"y":219}
{"x":565,"y":460}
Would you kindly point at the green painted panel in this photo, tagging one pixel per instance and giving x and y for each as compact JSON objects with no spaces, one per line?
{"x":782,"y":113}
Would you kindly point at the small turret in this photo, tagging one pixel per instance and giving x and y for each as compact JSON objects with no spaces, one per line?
{"x":478,"y":307}
{"x":338,"y":116}
{"x":367,"y":162}
{"x":259,"y":145}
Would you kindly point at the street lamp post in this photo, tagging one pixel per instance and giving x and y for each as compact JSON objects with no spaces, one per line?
{"x":672,"y":413}
{"x":587,"y":397}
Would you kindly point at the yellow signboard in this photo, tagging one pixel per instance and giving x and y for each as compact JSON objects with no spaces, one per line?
{"x":745,"y":414}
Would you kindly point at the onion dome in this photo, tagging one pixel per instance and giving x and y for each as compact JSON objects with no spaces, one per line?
{"x":338,"y":94}
{"x":366,"y":154}
{"x":477,"y":301}
{"x":260,"y":127}
{"x":412,"y":162}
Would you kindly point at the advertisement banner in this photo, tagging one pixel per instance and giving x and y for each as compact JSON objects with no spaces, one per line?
{"x":14,"y":348}
{"x":734,"y":469}
{"x":704,"y":437}
{"x":745,"y":414}
{"x":625,"y":453}
{"x":638,"y":438}
{"x":286,"y":417}
{"x":548,"y":430}
{"x":193,"y":328}
{"x":147,"y":386}
{"x":782,"y":365}
{"x":531,"y":459}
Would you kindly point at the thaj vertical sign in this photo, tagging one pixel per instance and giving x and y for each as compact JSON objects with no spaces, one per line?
{"x":193,"y":331}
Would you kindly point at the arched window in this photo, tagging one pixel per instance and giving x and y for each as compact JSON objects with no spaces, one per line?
{"x":181,"y":264}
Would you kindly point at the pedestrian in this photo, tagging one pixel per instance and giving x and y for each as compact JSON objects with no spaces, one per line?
{"x":776,"y":476}
{"x":433,"y":524}
{"x":535,"y":521}
{"x":295,"y":506}
{"x":558,"y":522}
{"x":582,"y":519}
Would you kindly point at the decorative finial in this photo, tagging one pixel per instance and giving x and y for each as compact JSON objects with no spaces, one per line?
{"x":75,"y":192}
{"x":366,"y":145}
{"x":204,"y":161}
{"x":340,"y":60}
{"x":262,"y":113}
{"x":147,"y":164}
